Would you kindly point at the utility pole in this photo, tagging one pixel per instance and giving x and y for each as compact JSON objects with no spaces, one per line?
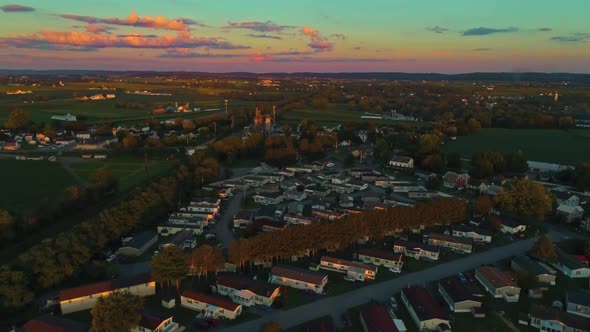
{"x":226,"y":107}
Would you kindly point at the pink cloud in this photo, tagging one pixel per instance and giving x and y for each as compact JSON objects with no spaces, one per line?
{"x":157,"y":22}
{"x":317,"y":42}
{"x":182,"y":39}
{"x":97,"y":28}
{"x":12,"y":8}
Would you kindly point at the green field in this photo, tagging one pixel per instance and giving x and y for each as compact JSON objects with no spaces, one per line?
{"x":130,"y":172}
{"x":28,"y":185}
{"x":105,"y":110}
{"x":548,"y":145}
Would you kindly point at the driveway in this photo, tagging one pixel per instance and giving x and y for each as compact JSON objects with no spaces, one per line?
{"x":334,"y":306}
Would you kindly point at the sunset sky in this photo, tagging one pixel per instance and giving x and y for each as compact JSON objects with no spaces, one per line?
{"x":450,"y":36}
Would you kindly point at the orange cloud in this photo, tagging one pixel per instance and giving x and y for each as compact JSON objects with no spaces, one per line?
{"x":317,"y":42}
{"x":158,"y":22}
{"x":182,"y":39}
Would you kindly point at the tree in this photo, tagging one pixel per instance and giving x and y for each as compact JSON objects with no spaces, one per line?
{"x":381,"y":151}
{"x":566,"y":122}
{"x":433,"y":183}
{"x":15,"y":291}
{"x":526,"y":280}
{"x":117,"y":312}
{"x":272,"y":326}
{"x":6,"y":225}
{"x":473,"y":126}
{"x":348,"y":160}
{"x":525,"y":198}
{"x":483,"y":205}
{"x":169,"y":266}
{"x":49,"y":131}
{"x":453,"y":160}
{"x":207,"y":259}
{"x":18,"y":119}
{"x":516,"y":163}
{"x":544,"y":248}
{"x":582,"y":176}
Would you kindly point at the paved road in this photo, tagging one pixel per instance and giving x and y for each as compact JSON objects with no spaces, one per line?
{"x":334,"y":306}
{"x":224,"y":226}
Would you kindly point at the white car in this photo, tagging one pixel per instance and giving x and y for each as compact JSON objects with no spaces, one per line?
{"x":330,"y":165}
{"x":349,"y":278}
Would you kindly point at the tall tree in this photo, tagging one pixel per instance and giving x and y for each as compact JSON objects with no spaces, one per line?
{"x":208,"y":259}
{"x":18,"y":119}
{"x":483,"y":205}
{"x":117,"y":312}
{"x":525,"y":198}
{"x":169,"y":266}
{"x":544,"y":248}
{"x":582,"y":176}
{"x":15,"y":291}
{"x":6,"y":225}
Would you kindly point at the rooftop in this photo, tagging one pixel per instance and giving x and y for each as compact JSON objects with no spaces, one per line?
{"x":457,"y":290}
{"x":295,"y":273}
{"x":497,"y":277}
{"x":349,"y":263}
{"x":140,"y":239}
{"x":152,"y":320}
{"x":377,"y":319}
{"x":580,"y":296}
{"x":563,"y":317}
{"x":416,"y":245}
{"x":103,"y":286}
{"x":218,"y":301}
{"x":238,"y":282}
{"x":379,"y":253}
{"x":448,"y":238}
{"x":530,"y":265}
{"x":51,"y":323}
{"x":424,"y":304}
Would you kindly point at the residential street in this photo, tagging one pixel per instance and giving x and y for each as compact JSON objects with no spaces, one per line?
{"x":335,"y":305}
{"x":223,"y":227}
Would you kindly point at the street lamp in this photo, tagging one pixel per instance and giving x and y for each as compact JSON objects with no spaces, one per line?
{"x":226,"y":107}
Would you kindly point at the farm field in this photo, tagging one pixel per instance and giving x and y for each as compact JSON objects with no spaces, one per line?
{"x":130,"y":172}
{"x":104,"y":110}
{"x":332,"y":116}
{"x":547,"y":145}
{"x":28,"y":185}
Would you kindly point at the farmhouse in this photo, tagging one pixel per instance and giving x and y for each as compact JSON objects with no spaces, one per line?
{"x":454,"y":180}
{"x":403,"y":162}
{"x":457,"y":244}
{"x":578,"y":302}
{"x":245,"y":291}
{"x":298,"y":278}
{"x":553,"y":319}
{"x":383,"y":258}
{"x":356,"y":270}
{"x":477,"y":186}
{"x":210,"y":305}
{"x":570,"y":209}
{"x":499,"y":283}
{"x":138,"y":244}
{"x":424,"y":309}
{"x":83,"y":297}
{"x":542,"y":272}
{"x":416,"y":250}
{"x":458,"y":296}
{"x":478,"y":235}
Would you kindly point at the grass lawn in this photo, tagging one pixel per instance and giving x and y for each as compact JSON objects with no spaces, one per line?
{"x":295,"y":297}
{"x":129,"y":171}
{"x":309,"y":326}
{"x":465,"y":322}
{"x":547,"y":145}
{"x":29,"y":185}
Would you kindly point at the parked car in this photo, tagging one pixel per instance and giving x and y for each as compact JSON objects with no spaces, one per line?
{"x":349,"y":278}
{"x":113,"y":259}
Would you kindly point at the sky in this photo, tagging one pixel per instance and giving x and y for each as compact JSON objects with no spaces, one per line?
{"x":443,"y":36}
